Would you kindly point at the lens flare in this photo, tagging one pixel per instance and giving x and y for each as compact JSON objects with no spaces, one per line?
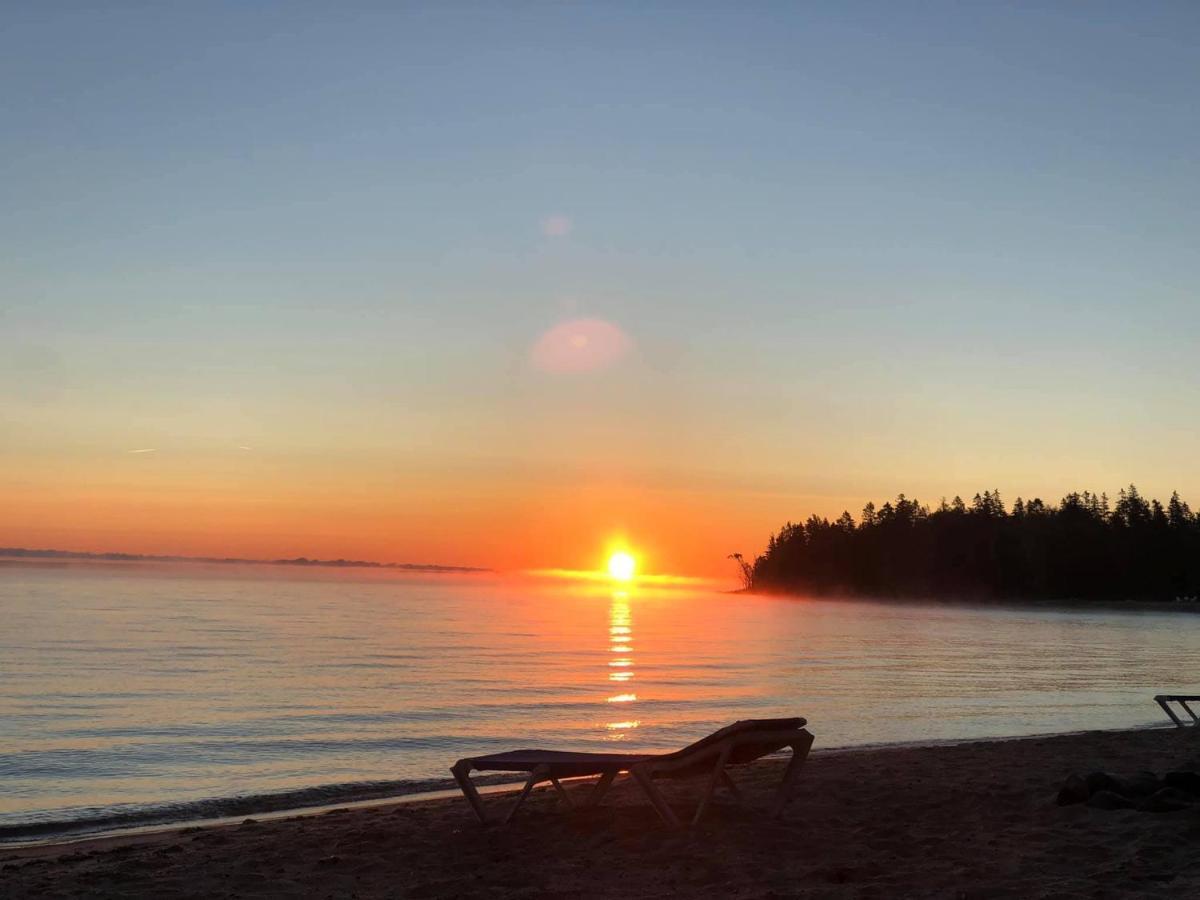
{"x":580,"y":345}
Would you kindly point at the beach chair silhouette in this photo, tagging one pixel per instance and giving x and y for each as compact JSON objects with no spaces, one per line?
{"x":736,"y":744}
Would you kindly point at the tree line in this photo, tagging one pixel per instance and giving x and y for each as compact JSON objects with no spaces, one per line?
{"x":1084,"y":547}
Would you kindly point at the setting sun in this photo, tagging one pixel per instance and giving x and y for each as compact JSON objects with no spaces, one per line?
{"x":621,"y":566}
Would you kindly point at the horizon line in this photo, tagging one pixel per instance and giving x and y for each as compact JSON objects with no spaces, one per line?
{"x":118,"y":556}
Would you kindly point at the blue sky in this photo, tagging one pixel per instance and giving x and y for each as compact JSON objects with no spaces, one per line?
{"x":858,"y":248}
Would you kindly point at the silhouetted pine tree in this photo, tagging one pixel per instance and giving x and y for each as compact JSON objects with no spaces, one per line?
{"x":1079,"y":548}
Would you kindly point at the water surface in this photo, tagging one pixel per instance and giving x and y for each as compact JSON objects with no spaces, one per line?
{"x":148,"y":693}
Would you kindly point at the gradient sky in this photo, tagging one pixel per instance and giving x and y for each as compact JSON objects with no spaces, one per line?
{"x":823,"y":254}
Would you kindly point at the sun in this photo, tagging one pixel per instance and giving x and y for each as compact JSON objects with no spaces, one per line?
{"x":621,"y":566}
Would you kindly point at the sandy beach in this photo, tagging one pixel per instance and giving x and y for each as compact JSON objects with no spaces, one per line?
{"x":975,"y":819}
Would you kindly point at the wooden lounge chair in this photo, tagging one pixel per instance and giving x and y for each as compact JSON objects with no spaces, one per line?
{"x":736,"y":744}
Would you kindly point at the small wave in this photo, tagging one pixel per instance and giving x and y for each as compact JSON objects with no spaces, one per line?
{"x":90,"y":820}
{"x":87,"y":763}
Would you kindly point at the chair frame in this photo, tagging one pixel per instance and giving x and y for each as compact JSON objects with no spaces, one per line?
{"x":1164,"y":700}
{"x":798,"y":740}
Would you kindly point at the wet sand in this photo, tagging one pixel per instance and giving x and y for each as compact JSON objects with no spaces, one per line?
{"x":965,"y":820}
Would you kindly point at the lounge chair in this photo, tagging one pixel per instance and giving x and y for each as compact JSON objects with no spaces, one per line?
{"x":736,"y":744}
{"x":1164,"y":700}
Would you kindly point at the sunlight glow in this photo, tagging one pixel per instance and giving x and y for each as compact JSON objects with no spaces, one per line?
{"x":621,"y":566}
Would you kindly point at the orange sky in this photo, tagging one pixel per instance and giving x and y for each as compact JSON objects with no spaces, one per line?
{"x":264,"y":503}
{"x":264,"y":508}
{"x":526,"y":467}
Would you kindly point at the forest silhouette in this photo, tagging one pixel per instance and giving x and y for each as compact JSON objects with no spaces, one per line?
{"x":1082,"y":548}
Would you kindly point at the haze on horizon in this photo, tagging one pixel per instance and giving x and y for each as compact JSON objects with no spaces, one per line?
{"x":498,"y":288}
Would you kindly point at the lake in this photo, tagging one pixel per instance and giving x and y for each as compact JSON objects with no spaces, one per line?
{"x":132,"y":694}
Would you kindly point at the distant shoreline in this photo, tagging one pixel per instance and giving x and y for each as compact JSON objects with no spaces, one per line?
{"x":302,"y":561}
{"x":1085,"y":546}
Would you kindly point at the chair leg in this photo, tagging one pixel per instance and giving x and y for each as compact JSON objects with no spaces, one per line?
{"x":656,"y":799}
{"x":534,"y":778}
{"x":562,"y":793}
{"x":601,"y":788}
{"x":713,"y":780}
{"x":462,"y":774}
{"x":731,"y":785}
{"x":799,"y":754}
{"x":1161,"y":701}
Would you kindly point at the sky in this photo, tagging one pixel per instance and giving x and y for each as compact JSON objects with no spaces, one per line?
{"x":503,"y":284}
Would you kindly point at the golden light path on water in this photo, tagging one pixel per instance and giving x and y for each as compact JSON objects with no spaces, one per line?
{"x":620,"y":634}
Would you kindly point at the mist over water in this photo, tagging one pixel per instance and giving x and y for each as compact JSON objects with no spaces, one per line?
{"x":132,"y":694}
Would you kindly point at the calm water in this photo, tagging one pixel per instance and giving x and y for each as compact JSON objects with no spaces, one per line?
{"x":132,"y":694}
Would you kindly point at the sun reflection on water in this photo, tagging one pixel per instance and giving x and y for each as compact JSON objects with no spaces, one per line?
{"x":620,"y":633}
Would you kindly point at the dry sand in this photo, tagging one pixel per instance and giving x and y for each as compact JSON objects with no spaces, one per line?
{"x":966,"y":820}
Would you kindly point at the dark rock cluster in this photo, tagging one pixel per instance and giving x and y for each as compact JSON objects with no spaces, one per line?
{"x":1144,"y":791}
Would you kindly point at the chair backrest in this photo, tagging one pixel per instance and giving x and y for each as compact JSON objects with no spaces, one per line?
{"x":744,"y":729}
